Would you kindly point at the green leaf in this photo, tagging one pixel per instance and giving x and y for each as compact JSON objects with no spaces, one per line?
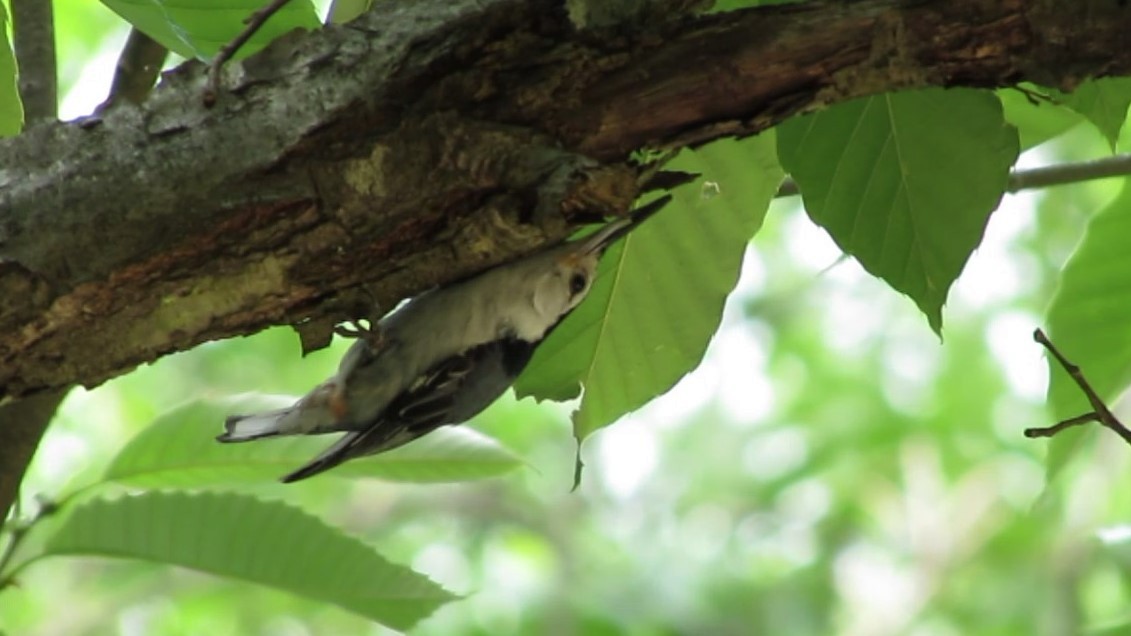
{"x":198,"y":28}
{"x":1088,"y":322}
{"x":904,"y":182}
{"x":342,"y":11}
{"x":1103,"y":102}
{"x":1036,"y":118}
{"x":179,"y":449}
{"x":245,"y":538}
{"x":659,"y":294}
{"x":11,"y":109}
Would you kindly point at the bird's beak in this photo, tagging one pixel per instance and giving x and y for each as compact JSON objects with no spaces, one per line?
{"x":600,"y":240}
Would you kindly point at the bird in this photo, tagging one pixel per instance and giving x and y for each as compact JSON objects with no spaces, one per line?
{"x":443,"y":356}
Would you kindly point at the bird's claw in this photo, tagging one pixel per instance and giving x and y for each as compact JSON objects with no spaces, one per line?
{"x":371,"y":334}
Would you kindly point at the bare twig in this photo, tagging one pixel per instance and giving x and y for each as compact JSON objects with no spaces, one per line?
{"x":17,"y":532}
{"x":1074,"y":172}
{"x":1100,"y":412}
{"x":23,"y":422}
{"x":138,"y":67}
{"x":1033,"y":96}
{"x":1049,"y":431}
{"x":1035,"y":178}
{"x":33,"y":36}
{"x":254,"y":22}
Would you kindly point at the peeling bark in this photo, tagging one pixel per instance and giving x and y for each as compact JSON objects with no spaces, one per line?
{"x":425,"y":142}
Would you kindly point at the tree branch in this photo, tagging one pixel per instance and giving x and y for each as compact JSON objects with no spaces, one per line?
{"x":1066,"y":173}
{"x":22,"y":423}
{"x":33,"y":38}
{"x":138,"y":66}
{"x":1035,"y":178}
{"x":410,"y":146}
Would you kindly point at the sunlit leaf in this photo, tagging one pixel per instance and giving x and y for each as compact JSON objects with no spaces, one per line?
{"x":1103,"y":102}
{"x":904,"y":182}
{"x":198,"y":28}
{"x":1088,"y":321}
{"x":179,"y":449}
{"x":659,"y":294}
{"x":342,"y":11}
{"x":245,"y":538}
{"x":11,"y":110}
{"x":1037,"y":118}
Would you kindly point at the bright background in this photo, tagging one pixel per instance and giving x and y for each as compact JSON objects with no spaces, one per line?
{"x":831,"y":467}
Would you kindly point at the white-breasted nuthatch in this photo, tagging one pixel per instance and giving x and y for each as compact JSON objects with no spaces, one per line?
{"x":443,"y":357}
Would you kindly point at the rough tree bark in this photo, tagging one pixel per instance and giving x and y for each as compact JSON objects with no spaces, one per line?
{"x":423,"y":142}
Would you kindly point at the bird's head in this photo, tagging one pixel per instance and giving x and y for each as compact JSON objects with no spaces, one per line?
{"x":573,"y":266}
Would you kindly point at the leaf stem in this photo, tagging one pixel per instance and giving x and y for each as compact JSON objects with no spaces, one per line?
{"x":1100,"y":413}
{"x":254,"y":22}
{"x":19,"y":531}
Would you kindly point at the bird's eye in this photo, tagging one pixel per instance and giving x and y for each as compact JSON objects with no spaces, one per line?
{"x":576,"y":284}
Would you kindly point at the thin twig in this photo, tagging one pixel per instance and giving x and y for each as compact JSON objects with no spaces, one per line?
{"x":1073,"y":172}
{"x":19,"y":532}
{"x":1034,"y":178}
{"x":33,"y":38}
{"x":139,"y":64}
{"x":16,"y":536}
{"x":1100,"y":412}
{"x":254,"y":22}
{"x":1049,"y":431}
{"x":1034,"y":97}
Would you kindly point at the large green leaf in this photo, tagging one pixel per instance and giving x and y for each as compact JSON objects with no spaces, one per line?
{"x":245,"y":538}
{"x":1089,"y":320}
{"x":659,"y":294}
{"x":198,"y":28}
{"x":179,"y":449}
{"x":11,"y":109}
{"x":904,"y":182}
{"x":1103,"y":102}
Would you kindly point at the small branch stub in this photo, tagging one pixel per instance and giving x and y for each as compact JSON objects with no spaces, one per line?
{"x":1099,"y":413}
{"x":254,"y":22}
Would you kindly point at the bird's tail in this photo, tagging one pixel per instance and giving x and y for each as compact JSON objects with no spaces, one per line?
{"x":337,"y":453}
{"x":244,"y":428}
{"x":378,"y":438}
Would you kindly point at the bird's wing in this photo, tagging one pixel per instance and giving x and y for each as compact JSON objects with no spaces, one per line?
{"x":452,"y":391}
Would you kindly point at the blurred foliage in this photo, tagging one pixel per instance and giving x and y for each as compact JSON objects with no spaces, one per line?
{"x":830,"y":467}
{"x":179,"y":450}
{"x":249,"y":539}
